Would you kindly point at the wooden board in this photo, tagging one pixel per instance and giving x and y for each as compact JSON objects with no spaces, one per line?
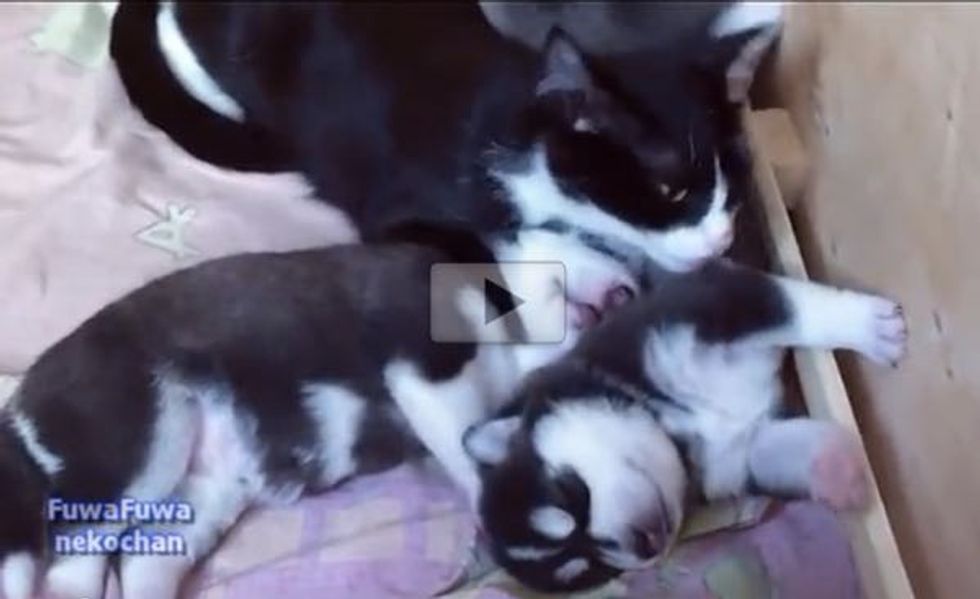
{"x":886,"y":97}
{"x":873,"y":543}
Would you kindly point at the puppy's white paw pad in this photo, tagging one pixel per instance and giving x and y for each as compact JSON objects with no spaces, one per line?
{"x":156,"y":577}
{"x":70,"y":577}
{"x":837,"y":474}
{"x":18,"y":572}
{"x":884,"y":333}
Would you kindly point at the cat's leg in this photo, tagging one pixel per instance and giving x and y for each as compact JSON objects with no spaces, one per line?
{"x":800,"y":457}
{"x":223,"y":481}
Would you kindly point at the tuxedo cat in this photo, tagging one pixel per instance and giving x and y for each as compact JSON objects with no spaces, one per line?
{"x":424,"y":111}
{"x":589,"y":472}
{"x":251,"y":380}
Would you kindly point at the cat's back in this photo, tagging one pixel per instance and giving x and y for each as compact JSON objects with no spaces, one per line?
{"x":416,"y":66}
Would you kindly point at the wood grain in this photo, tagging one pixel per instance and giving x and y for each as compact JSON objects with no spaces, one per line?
{"x":886,"y":97}
{"x":872,"y":541}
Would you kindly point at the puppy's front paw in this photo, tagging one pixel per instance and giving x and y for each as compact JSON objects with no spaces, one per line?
{"x":153,"y":577}
{"x":882,"y":332}
{"x":75,"y":576}
{"x":837,"y":473}
{"x":18,"y":572}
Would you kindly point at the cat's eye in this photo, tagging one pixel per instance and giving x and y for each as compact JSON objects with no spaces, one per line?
{"x":584,"y":125}
{"x":672,"y":195}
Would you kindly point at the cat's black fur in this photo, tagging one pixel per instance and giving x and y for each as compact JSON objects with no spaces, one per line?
{"x":399,"y":110}
{"x":164,"y":103}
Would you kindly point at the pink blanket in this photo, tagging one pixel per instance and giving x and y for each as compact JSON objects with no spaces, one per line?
{"x":94,"y":202}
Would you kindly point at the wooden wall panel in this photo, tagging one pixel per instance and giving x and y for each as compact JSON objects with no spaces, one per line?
{"x":887,"y":98}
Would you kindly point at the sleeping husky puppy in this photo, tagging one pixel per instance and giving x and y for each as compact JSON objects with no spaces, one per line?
{"x":248,"y":380}
{"x":587,"y":473}
{"x":398,"y":110}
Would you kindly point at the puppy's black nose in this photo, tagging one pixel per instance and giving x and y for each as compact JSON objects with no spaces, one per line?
{"x":643,"y":545}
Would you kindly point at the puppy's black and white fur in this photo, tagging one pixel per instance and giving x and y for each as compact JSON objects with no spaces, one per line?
{"x":248,"y":380}
{"x":424,"y":111}
{"x":587,"y":474}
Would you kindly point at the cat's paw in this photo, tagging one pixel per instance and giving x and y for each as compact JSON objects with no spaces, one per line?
{"x":882,"y":333}
{"x":838,"y":476}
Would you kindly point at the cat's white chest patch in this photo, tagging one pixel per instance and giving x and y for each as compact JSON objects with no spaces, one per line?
{"x":538,"y":197}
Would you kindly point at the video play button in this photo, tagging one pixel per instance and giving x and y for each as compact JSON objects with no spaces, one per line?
{"x":499,"y":302}
{"x":510,"y":302}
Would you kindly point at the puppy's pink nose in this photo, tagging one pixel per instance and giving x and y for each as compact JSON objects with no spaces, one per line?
{"x":645,"y":545}
{"x":583,"y":316}
{"x":618,"y":296}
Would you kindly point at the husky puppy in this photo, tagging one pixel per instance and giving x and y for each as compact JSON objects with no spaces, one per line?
{"x":248,"y":380}
{"x":588,"y":473}
{"x":399,"y":110}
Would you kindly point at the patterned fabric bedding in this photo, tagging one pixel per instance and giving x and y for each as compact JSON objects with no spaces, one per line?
{"x":94,"y":202}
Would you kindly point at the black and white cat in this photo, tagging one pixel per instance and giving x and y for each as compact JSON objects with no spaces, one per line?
{"x":588,"y":473}
{"x":424,"y":111}
{"x":254,"y":379}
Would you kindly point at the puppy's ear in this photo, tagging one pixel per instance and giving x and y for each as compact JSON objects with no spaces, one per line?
{"x":741,"y":35}
{"x":565,"y":69}
{"x":487,"y":443}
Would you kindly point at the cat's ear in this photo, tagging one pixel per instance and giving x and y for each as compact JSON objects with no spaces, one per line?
{"x":741,"y":35}
{"x":568,"y":87}
{"x":487,"y":443}
{"x":565,"y":69}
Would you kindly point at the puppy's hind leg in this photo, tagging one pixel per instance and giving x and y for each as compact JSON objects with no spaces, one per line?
{"x":19,"y":570}
{"x":167,"y":459}
{"x":802,"y":457}
{"x":224,"y":479}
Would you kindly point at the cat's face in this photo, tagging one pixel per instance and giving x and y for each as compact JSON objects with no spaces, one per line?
{"x":664,"y":171}
{"x":578,"y":492}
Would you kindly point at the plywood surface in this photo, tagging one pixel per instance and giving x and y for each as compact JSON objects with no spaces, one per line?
{"x":872,"y":540}
{"x":888,"y":97}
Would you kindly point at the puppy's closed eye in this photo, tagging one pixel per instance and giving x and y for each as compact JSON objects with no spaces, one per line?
{"x":571,"y":570}
{"x":571,"y":492}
